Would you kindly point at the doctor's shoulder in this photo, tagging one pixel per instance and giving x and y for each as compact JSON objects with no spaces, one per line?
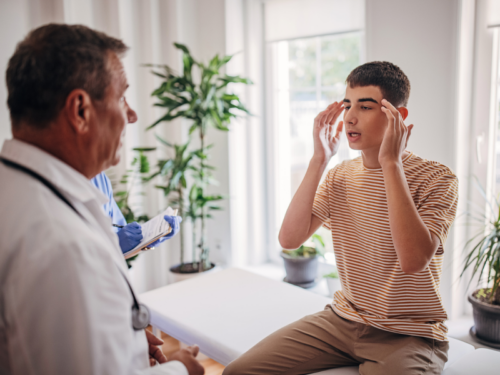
{"x":36,"y":223}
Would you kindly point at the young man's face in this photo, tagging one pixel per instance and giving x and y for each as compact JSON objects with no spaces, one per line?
{"x":364,"y":121}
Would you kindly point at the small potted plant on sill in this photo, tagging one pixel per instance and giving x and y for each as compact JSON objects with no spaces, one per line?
{"x":484,"y":259}
{"x":333,"y":282}
{"x":301,"y":265}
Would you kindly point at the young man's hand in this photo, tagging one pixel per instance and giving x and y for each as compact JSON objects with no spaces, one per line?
{"x":188,"y":357}
{"x":396,"y":136}
{"x":327,"y":139}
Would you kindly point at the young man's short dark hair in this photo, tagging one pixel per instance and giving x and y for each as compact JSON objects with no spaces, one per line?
{"x":393,"y":83}
{"x":52,"y":61}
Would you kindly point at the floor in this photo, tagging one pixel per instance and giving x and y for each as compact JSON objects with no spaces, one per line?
{"x":172,"y":345}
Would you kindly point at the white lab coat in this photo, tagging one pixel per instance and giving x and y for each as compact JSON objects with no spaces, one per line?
{"x":64,"y":306}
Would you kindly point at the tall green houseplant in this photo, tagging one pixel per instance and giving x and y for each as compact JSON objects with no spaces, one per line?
{"x":175,"y":171}
{"x":206,"y":103}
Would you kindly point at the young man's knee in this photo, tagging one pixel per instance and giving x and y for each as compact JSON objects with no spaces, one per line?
{"x":234,"y":368}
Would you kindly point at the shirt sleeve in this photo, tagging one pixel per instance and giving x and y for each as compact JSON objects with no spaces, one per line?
{"x":321,"y":205}
{"x":438,"y":205}
{"x":114,"y":212}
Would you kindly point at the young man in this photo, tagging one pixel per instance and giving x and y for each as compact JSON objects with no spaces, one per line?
{"x":389,"y":212}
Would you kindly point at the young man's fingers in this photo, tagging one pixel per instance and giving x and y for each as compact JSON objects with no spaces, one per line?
{"x":389,"y":114}
{"x":334,"y":114}
{"x":194,"y":349}
{"x":329,"y":108}
{"x":328,"y":131}
{"x":408,"y":134}
{"x":321,"y":115}
{"x":331,"y":114}
{"x":339,"y":129}
{"x":153,"y":340}
{"x":389,"y":106}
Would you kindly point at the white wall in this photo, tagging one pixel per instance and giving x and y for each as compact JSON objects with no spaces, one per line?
{"x":432,"y":42}
{"x":420,"y":37}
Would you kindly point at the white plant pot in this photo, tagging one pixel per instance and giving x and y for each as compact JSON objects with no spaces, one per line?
{"x":174,"y":277}
{"x":333,"y":285}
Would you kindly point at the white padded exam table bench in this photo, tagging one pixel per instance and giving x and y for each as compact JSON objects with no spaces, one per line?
{"x":228,"y":312}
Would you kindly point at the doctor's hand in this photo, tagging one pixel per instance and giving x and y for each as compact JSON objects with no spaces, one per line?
{"x":174,"y":222}
{"x":129,"y":236}
{"x":155,"y":353}
{"x":188,"y":357}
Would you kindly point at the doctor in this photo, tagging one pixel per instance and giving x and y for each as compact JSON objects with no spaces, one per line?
{"x":65,"y":303}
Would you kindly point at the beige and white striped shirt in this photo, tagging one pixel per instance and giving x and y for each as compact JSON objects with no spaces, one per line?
{"x":352,"y":203}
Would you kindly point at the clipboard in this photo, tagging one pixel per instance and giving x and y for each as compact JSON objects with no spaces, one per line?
{"x":152,"y":231}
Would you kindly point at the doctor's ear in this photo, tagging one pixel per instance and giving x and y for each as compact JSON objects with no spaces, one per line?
{"x":403,"y":111}
{"x":77,"y":109}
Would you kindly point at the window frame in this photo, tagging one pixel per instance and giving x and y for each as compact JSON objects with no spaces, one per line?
{"x":278,"y":179}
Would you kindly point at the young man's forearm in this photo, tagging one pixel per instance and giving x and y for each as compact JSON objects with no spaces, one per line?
{"x":415,"y":245}
{"x":298,"y":224}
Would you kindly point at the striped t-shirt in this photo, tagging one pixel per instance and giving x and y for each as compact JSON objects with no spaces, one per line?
{"x":352,"y":203}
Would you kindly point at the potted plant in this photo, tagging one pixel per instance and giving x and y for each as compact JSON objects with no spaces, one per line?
{"x":333,"y":282}
{"x":206,"y":103}
{"x":484,"y":259}
{"x":301,"y":265}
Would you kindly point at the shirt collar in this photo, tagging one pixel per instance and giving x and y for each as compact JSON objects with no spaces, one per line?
{"x":61,"y":175}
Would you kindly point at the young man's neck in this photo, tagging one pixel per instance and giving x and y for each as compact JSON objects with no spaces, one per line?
{"x":370,"y":158}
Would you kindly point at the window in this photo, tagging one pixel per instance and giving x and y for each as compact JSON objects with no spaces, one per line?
{"x":496,"y":118}
{"x":308,"y":74}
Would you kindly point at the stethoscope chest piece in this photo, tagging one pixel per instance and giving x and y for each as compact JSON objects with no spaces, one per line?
{"x":140,"y":317}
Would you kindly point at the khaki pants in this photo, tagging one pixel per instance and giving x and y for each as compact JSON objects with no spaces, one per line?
{"x":325,"y":340}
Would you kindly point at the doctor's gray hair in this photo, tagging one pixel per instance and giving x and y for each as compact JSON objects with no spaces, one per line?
{"x":52,"y":61}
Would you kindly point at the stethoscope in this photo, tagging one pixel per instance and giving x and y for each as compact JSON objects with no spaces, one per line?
{"x":140,"y":312}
